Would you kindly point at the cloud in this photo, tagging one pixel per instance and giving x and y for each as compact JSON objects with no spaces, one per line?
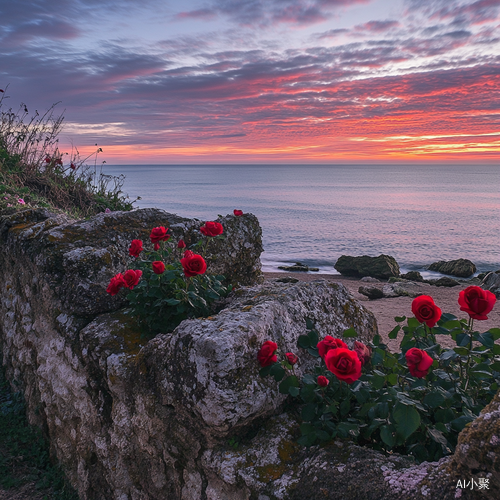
{"x":376,"y":26}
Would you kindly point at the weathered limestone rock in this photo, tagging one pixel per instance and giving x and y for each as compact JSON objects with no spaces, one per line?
{"x":463,"y":268}
{"x":184,"y":416}
{"x":491,"y":282}
{"x":407,"y":289}
{"x":299,"y":267}
{"x":383,"y":266}
{"x":444,"y":281}
{"x":413,"y":276}
{"x":372,"y":292}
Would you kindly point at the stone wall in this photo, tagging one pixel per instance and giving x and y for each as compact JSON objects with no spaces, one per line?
{"x":136,"y":419}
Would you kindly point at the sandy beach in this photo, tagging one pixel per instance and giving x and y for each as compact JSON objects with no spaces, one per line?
{"x":387,"y":308}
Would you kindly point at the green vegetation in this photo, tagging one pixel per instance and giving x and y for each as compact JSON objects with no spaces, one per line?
{"x":33,"y":172}
{"x":24,"y":453}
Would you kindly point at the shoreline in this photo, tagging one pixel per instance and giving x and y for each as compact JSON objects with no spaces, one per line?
{"x":386,"y":309}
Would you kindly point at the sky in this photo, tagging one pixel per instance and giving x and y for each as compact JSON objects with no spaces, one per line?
{"x":260,"y":81}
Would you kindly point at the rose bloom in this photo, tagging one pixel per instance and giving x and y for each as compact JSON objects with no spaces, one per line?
{"x":188,"y":253}
{"x":425,"y":310}
{"x":158,"y":267}
{"x":135,"y":248}
{"x":344,"y":364}
{"x":266,"y":355}
{"x":476,"y":302}
{"x":212,"y":229}
{"x":418,"y":362}
{"x":116,"y":284}
{"x":132,"y":277}
{"x":329,"y":343}
{"x":322,"y":381}
{"x":193,"y":264}
{"x":292,"y":358}
{"x":238,"y":213}
{"x":181,"y":244}
{"x":364,"y":352}
{"x":158,"y":234}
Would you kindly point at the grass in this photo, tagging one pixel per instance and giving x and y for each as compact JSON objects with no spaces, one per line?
{"x":24,"y":452}
{"x":35,"y":173}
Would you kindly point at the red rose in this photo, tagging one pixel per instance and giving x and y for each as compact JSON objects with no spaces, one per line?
{"x":116,"y":284}
{"x":323,"y":381}
{"x":344,"y":364}
{"x":238,"y":213}
{"x":425,"y":310}
{"x":181,"y":244}
{"x":131,"y":278}
{"x":193,"y":264}
{"x":188,"y":253}
{"x":212,"y":229}
{"x":418,"y":362}
{"x":158,"y":267}
{"x":135,"y":248}
{"x":158,"y":234}
{"x":363,"y":351}
{"x":47,"y":159}
{"x":476,"y":302}
{"x":292,"y":358}
{"x":329,"y":343}
{"x":266,"y":354}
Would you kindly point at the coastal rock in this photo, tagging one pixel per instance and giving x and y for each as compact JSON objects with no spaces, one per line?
{"x":462,"y":268}
{"x":491,"y":282}
{"x":369,"y":279}
{"x":372,"y":292}
{"x":299,"y":267}
{"x":383,"y":266}
{"x":413,"y":276}
{"x":444,"y":281}
{"x":406,"y":289}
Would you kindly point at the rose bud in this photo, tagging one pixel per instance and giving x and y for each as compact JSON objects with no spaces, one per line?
{"x":364,"y":352}
{"x":181,"y":244}
{"x":238,"y":213}
{"x":158,"y":267}
{"x":292,"y":358}
{"x":323,"y":381}
{"x":266,"y":355}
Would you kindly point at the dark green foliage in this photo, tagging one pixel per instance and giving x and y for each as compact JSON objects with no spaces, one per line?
{"x":387,"y":408}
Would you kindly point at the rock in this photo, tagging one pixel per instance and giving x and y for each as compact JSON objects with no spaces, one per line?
{"x":369,"y":279}
{"x":463,"y":268}
{"x":413,"y":276}
{"x":371,"y":292}
{"x":405,"y":289}
{"x":383,"y":266}
{"x":298,"y":266}
{"x":287,"y":280}
{"x":491,"y":282}
{"x":444,"y":281}
{"x":478,"y":446}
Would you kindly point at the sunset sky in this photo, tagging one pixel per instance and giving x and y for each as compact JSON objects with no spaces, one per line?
{"x":261,"y":81}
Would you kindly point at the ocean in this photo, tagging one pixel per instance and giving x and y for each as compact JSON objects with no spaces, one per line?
{"x":313,"y":214}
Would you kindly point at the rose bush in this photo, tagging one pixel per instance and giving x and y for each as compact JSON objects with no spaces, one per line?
{"x":414,"y":402}
{"x":166,"y":289}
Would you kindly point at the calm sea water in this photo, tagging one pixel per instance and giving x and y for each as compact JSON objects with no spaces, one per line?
{"x":316,"y":213}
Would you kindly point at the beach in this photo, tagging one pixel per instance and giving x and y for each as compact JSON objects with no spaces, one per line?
{"x":386,"y":309}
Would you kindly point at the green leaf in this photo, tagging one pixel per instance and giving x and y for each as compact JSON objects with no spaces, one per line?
{"x":376,"y":340}
{"x":463,"y":339}
{"x":495,"y":332}
{"x":382,"y":410}
{"x":308,"y":439}
{"x":413,"y":323}
{"x":394,"y":332}
{"x":303,"y":341}
{"x":293,"y":391}
{"x":434,"y":399}
{"x":345,"y":407}
{"x":437,"y":436}
{"x":350,"y":333}
{"x":447,"y":317}
{"x":172,"y":302}
{"x":264,"y":372}
{"x":309,"y":379}
{"x":387,"y":435}
{"x":392,"y":379}
{"x":495,"y":366}
{"x":348,"y":429}
{"x":485,"y":339}
{"x":450,"y":354}
{"x":459,"y":423}
{"x":378,"y":381}
{"x":323,"y":436}
{"x":377,"y":357}
{"x":309,"y":324}
{"x":313,"y":351}
{"x":308,"y":412}
{"x":407,"y":420}
{"x":277,"y":371}
{"x":400,"y":319}
{"x":313,"y":338}
{"x":288,"y":383}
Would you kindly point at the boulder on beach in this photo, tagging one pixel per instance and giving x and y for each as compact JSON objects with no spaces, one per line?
{"x":383,"y":266}
{"x":298,"y":266}
{"x":372,"y":292}
{"x":491,"y":282}
{"x":413,"y":276}
{"x":444,"y":281}
{"x":462,"y":268}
